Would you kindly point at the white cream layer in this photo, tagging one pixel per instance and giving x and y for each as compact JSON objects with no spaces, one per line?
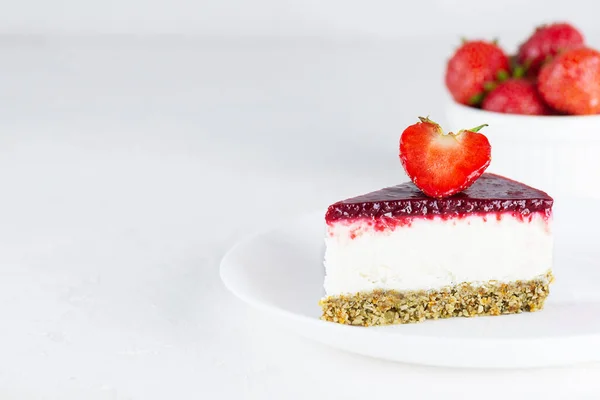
{"x":433,"y":253}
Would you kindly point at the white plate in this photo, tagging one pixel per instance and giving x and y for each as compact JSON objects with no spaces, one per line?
{"x":281,"y":272}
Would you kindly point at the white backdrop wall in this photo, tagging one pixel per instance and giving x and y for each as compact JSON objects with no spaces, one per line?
{"x":377,"y":18}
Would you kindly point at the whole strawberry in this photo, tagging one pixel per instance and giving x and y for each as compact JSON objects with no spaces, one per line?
{"x":473,"y":65}
{"x":516,"y":96}
{"x":443,"y":164}
{"x":546,"y":42}
{"x":571,"y":82}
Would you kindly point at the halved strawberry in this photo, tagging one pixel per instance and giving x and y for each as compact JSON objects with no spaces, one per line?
{"x":443,"y":164}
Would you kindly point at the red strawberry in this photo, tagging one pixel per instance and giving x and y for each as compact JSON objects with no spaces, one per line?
{"x":571,"y":82}
{"x":546,"y":42}
{"x":516,"y":96}
{"x":443,"y":164}
{"x":474,"y":64}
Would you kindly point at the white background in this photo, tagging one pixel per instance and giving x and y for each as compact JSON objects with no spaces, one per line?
{"x":140,"y":139}
{"x":380,"y":18}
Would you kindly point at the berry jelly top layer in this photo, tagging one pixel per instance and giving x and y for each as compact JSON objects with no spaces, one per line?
{"x":490,"y":194}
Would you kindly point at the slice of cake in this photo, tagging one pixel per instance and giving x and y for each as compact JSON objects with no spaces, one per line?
{"x":398,"y":255}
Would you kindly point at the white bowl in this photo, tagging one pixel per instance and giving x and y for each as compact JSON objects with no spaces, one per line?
{"x":558,"y":154}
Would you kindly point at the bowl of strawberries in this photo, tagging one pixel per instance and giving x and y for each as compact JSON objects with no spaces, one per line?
{"x":542,"y":107}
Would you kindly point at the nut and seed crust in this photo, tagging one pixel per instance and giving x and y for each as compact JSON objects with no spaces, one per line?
{"x":387,"y":307}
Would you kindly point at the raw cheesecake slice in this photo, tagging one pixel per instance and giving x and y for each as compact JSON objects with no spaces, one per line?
{"x":397,"y":256}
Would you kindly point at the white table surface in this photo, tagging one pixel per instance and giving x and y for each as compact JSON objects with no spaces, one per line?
{"x":128,"y":166}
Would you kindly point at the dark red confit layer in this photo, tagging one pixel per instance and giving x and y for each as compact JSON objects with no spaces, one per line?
{"x":490,"y":194}
{"x":384,"y":223}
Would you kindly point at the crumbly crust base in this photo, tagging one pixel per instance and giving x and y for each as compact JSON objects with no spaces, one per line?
{"x":386,"y":307}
